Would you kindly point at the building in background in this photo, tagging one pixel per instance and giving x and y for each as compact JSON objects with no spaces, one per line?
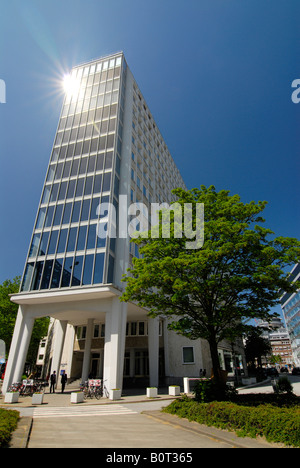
{"x":278,"y":337}
{"x":290,"y":304}
{"x":108,"y":151}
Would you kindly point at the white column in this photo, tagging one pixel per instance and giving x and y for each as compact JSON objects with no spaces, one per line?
{"x":23,"y":347}
{"x":60,"y":333}
{"x":87,"y":350}
{"x":114,"y":348}
{"x":153,"y":346}
{"x":19,"y":345}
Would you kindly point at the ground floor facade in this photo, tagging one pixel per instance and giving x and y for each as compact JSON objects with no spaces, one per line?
{"x":94,"y":335}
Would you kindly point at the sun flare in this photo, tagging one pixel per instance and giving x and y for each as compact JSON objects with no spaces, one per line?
{"x":71,"y":85}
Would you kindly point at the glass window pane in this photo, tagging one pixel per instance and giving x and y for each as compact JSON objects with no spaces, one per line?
{"x":75,"y":166}
{"x":106,"y":182}
{"x":27,"y":277}
{"x":188,"y":355}
{"x":62,"y":241}
{"x":88,"y":185}
{"x":46,"y":194}
{"x":83,"y":165}
{"x":37,"y":275}
{"x":57,"y":269}
{"x":77,"y":270}
{"x":81,"y":238}
{"x":34,"y":245}
{"x":108,"y":160}
{"x":97,"y":183}
{"x":44,"y":243}
{"x":47,"y":274}
{"x":67,"y":213}
{"x":76,"y":212}
{"x":95,"y":204}
{"x":71,"y":188}
{"x":41,"y":218}
{"x":88,"y":269}
{"x":111,"y":266}
{"x":54,"y":192}
{"x":57,"y":217}
{"x":53,"y":242}
{"x":72,"y":239}
{"x":66,"y":274}
{"x":62,"y":191}
{"x":49,"y":217}
{"x":85,"y":210}
{"x":67,"y":169}
{"x":91,"y":242}
{"x":98,"y":273}
{"x":99,"y":162}
{"x":79,"y":188}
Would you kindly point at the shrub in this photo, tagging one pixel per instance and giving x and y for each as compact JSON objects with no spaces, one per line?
{"x":8,"y":423}
{"x":275,"y":424}
{"x":207,"y":390}
{"x":284,"y":385}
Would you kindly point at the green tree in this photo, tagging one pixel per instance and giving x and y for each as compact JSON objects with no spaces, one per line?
{"x":256,"y":347}
{"x":207,"y":292}
{"x":8,"y":310}
{"x":8,"y":314}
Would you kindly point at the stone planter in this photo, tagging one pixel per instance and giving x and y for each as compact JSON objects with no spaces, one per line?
{"x":174,"y":390}
{"x":77,"y":397}
{"x":37,"y":399}
{"x":115,"y":394}
{"x":11,"y":397}
{"x":151,"y":392}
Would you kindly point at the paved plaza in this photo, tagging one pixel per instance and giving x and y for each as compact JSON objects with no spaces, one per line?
{"x":135,"y":421}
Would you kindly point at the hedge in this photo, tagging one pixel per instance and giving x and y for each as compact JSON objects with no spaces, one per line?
{"x":8,"y":423}
{"x":281,"y":425}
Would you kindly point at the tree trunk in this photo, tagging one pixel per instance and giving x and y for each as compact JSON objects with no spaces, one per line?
{"x":213,"y":345}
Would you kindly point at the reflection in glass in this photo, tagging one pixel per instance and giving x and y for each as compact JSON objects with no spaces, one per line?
{"x":44,"y":243}
{"x":57,"y":269}
{"x":47,"y":274}
{"x":34,"y":245}
{"x":62,"y":241}
{"x":37,"y":275}
{"x":77,"y":270}
{"x":88,"y":269}
{"x":99,"y":265}
{"x":72,"y":239}
{"x":81,"y":238}
{"x":66,"y":274}
{"x":27,"y":277}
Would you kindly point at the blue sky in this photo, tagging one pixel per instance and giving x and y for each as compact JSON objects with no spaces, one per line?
{"x":216,"y":75}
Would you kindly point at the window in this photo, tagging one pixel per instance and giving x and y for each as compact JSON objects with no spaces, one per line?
{"x":96,"y":331}
{"x":88,"y":269}
{"x":99,"y":265}
{"x":188,"y":355}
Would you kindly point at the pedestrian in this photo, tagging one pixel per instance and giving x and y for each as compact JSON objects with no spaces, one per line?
{"x":53,"y":382}
{"x":64,"y":379}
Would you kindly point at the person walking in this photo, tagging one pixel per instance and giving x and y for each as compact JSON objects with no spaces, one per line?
{"x":64,"y":379}
{"x":53,"y":382}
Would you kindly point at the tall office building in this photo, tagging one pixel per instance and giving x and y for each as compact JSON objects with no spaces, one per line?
{"x":290,"y":304}
{"x":107,"y":150}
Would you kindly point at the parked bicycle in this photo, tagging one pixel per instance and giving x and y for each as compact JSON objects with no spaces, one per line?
{"x":94,"y":388}
{"x":28,"y":387}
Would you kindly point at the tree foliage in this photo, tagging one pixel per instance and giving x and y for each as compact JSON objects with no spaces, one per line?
{"x":8,"y":315}
{"x":207,"y":292}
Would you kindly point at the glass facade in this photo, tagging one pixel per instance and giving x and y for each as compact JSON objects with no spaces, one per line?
{"x":83,"y":172}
